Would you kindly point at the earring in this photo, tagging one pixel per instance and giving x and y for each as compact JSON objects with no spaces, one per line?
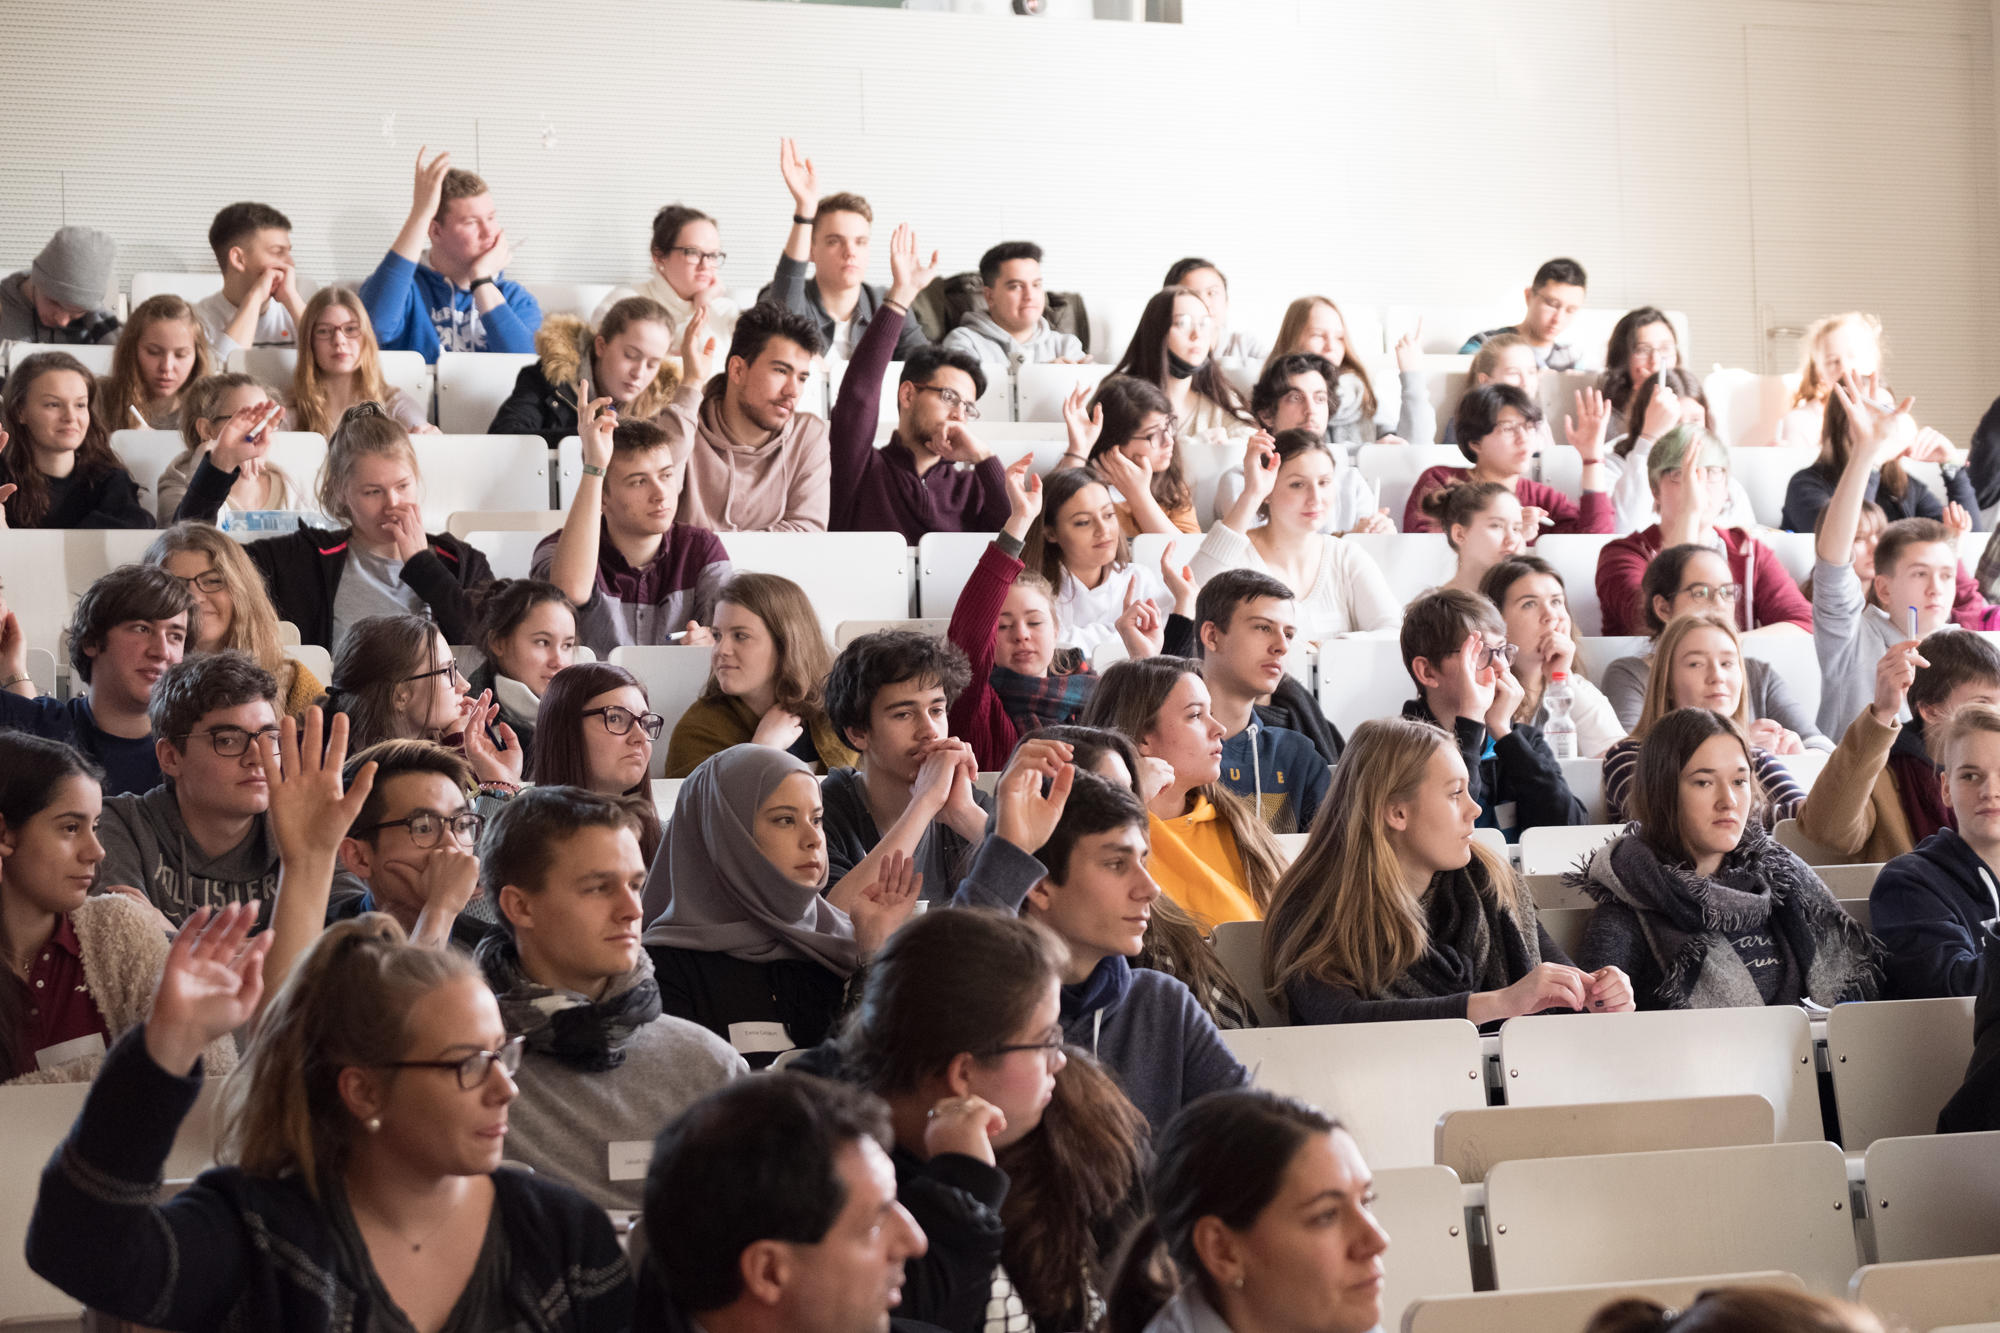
{"x":1238,"y":1283}
{"x":373,"y":1124}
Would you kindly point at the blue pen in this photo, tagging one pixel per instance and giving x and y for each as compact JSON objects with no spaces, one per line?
{"x":1913,"y":623}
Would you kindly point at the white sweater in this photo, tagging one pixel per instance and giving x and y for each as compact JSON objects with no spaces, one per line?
{"x":1348,"y":594}
{"x":1086,"y":617}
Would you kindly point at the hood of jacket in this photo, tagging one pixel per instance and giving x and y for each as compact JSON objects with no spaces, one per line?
{"x":564,"y":345}
{"x":1108,"y":983}
{"x":746,"y":456}
{"x":1041,"y":337}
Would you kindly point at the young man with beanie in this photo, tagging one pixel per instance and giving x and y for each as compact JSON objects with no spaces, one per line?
{"x":60,"y":297}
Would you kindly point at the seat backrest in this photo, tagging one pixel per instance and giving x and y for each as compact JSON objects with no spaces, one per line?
{"x":190,"y":287}
{"x":1422,"y":1208}
{"x":462,"y":523}
{"x":570,"y":298}
{"x":1584,"y":777}
{"x":1929,"y":1293}
{"x":1473,"y":1142}
{"x":1596,"y":652}
{"x":1574,"y":555}
{"x":96,"y":357}
{"x":42,"y":603}
{"x":673,"y":675}
{"x":1039,"y":390}
{"x":1553,"y":1059}
{"x":1361,"y":679}
{"x":1553,"y":893}
{"x":1560,"y":1220}
{"x":1764,"y":475}
{"x":1895,"y":1064}
{"x":665,"y":792}
{"x":313,"y":658}
{"x":1291,"y":844}
{"x":1445,"y":376}
{"x":1148,"y":547}
{"x":1048,"y":450}
{"x":511,"y":551}
{"x":1388,"y":1082}
{"x":477,"y":471}
{"x":1495,"y":842}
{"x":945,"y":561}
{"x":1394,"y":468}
{"x":1567,"y":1308}
{"x":472,"y":385}
{"x":146,"y":454}
{"x":1934,"y":1196}
{"x":1788,"y":832}
{"x":1850,"y":881}
{"x":1795,"y":551}
{"x":42,"y":670}
{"x":401,"y":369}
{"x":1745,"y":407}
{"x":1552,"y":849}
{"x":846,"y":575}
{"x":1796,"y":662}
{"x":885,"y":415}
{"x":1412,"y":563}
{"x":1239,"y":947}
{"x":847,"y":631}
{"x":1565,"y":926}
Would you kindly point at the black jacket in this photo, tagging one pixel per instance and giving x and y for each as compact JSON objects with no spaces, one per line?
{"x":302,"y":569}
{"x":107,"y":500}
{"x":537,"y":407}
{"x":235,"y":1250}
{"x":715,"y":990}
{"x":1518,"y":770}
{"x":1929,"y":908}
{"x":1976,"y":1105}
{"x":1984,"y":456}
{"x":792,"y":288}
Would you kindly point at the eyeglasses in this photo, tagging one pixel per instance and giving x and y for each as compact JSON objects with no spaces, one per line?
{"x":953,"y":400}
{"x":1498,"y":655}
{"x":330,"y":333}
{"x":1189,"y":323}
{"x":1655,"y":354}
{"x":1051,"y":1049}
{"x":427,"y":827}
{"x":210,"y":581}
{"x":451,"y":666}
{"x":1161,"y":433}
{"x":230,"y":742}
{"x":618,"y":721}
{"x":474,"y":1069}
{"x":1510,"y":430}
{"x":1711,"y":592}
{"x":701,"y":258}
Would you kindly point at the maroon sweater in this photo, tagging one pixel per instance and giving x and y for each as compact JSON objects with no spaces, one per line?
{"x":977,"y":716}
{"x":878,"y":490}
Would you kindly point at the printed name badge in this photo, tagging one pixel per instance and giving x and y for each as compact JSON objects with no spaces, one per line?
{"x":77,"y":1048}
{"x":759,"y":1038}
{"x":1506,"y":814}
{"x":629,"y":1159}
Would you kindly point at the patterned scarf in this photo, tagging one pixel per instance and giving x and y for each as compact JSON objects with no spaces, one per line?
{"x":583,"y":1034}
{"x":1033,"y":702}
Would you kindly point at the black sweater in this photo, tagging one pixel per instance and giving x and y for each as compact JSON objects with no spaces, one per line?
{"x":235,"y":1250}
{"x":716,"y":990}
{"x":1976,"y":1105}
{"x":1519,"y":770}
{"x":106,"y":500}
{"x":302,"y":569}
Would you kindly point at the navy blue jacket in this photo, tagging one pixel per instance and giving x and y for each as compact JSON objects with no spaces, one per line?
{"x":1927,"y":907}
{"x":1278,"y":769}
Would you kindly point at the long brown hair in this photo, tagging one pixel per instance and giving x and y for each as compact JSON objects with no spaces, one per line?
{"x":799,"y":685}
{"x":124,"y":389}
{"x":1659,"y":701}
{"x":1039,"y":551}
{"x":1654,"y":800}
{"x":253,"y":623}
{"x":370,"y":675}
{"x":1128,"y":698}
{"x":1292,"y":331}
{"x":1341,"y":914}
{"x":29,"y":504}
{"x":347,"y":1003}
{"x":1127,"y":401}
{"x":311,"y":409}
{"x":558,"y":757}
{"x":1618,"y":383}
{"x":1146,"y":355}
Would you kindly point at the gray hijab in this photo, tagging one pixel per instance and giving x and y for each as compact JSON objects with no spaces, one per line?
{"x":715,"y":892}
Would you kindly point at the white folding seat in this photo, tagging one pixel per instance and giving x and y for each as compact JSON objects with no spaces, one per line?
{"x":471,"y":386}
{"x":1585,"y":778}
{"x":1393,"y":469}
{"x":673,"y":675}
{"x":1552,"y":849}
{"x":945,"y":561}
{"x":190,"y":287}
{"x":847,"y":631}
{"x":571,"y":298}
{"x":1930,"y":1293}
{"x":1934,"y":1196}
{"x":1412,"y":563}
{"x":1474,"y":1142}
{"x":467,"y":472}
{"x":1040,"y":389}
{"x":846,"y":575}
{"x":1422,"y":1209}
{"x":1239,"y":947}
{"x":1360,"y":679}
{"x":401,"y":369}
{"x":1765,"y":473}
{"x":1575,"y":556}
{"x":1744,"y":407}
{"x":146,"y":454}
{"x":1546,"y":1309}
{"x":1895,"y":1064}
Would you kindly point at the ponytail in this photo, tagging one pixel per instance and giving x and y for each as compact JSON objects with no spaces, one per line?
{"x":1143,"y":1280}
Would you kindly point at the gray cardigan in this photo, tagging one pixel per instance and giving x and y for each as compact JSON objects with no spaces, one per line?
{"x":791,"y":288}
{"x":1624,"y":684}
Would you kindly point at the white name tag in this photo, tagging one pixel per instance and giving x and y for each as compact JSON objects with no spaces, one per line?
{"x":63,"y":1052}
{"x":629,"y":1159}
{"x":1506,"y":814}
{"x":759,"y":1038}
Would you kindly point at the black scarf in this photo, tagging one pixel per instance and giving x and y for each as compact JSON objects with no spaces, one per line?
{"x":1180,"y":368}
{"x":581,"y":1033}
{"x":1474,"y":944}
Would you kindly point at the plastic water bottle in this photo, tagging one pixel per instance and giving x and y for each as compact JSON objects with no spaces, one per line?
{"x":1560,"y":730}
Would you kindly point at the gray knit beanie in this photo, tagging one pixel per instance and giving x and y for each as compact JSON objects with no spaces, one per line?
{"x":75,"y":267}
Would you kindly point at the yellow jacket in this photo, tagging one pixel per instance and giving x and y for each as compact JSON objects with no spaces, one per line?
{"x":1195,"y":862}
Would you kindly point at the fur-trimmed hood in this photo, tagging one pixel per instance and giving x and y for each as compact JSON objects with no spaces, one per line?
{"x":563,"y":347}
{"x":123,"y":951}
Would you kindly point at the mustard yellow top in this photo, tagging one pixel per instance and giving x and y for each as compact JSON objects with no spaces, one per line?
{"x":1196,"y":863}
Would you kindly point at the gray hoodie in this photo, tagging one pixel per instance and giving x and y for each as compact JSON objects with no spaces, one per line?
{"x":1850,"y":637}
{"x":147,"y":847}
{"x":997,"y":351}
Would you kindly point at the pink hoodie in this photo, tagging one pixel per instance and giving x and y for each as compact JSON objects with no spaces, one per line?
{"x":782,"y":485}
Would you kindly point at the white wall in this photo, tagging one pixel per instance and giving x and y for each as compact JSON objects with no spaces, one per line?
{"x":1753,"y":162}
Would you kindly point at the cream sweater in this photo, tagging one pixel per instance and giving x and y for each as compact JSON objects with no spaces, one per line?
{"x":1347,"y":596}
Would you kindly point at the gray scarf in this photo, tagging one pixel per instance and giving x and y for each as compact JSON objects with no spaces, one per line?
{"x":1685,"y":919}
{"x":722,"y":895}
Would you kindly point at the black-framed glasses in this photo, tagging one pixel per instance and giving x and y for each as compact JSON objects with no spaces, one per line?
{"x":209,"y":582}
{"x":1051,"y":1048}
{"x":427,"y":827}
{"x":701,"y":258}
{"x":231,"y":742}
{"x":1712,"y":592}
{"x":474,"y":1069}
{"x":618,"y":721}
{"x":1162,"y":432}
{"x":451,"y":666}
{"x":1499,"y":655}
{"x":953,"y":400}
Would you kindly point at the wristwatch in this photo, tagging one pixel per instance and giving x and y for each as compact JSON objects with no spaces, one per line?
{"x":802,"y":221}
{"x":477,"y":283}
{"x":592,"y":470}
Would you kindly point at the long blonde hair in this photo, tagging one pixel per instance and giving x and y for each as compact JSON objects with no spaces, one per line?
{"x":1128,"y":699}
{"x":1813,"y":389}
{"x":347,"y":1003}
{"x":1293,"y":327}
{"x":1660,"y":677}
{"x":253,"y":623}
{"x":310,"y":407}
{"x":1341,"y":913}
{"x":123,"y":389}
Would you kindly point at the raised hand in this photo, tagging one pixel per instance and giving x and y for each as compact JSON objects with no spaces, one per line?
{"x":13,"y":643}
{"x":1025,"y":816}
{"x":1956,"y":519}
{"x":801,"y":178}
{"x":1024,"y":496}
{"x":595,"y":422}
{"x":909,"y":271}
{"x":1083,"y":426}
{"x":697,"y":349}
{"x":1410,"y":350}
{"x":779,"y":729}
{"x":1882,"y":432}
{"x":246,"y":437}
{"x":7,"y":491}
{"x":310,"y":810}
{"x":880,"y":909}
{"x":209,"y":985}
{"x":1260,"y":467}
{"x":490,"y":763}
{"x":1894,"y":674}
{"x":1585,"y":430}
{"x":1179,"y":579}
{"x":428,"y":191}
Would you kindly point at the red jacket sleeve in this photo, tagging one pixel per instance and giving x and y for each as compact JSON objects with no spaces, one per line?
{"x":976,"y":716}
{"x":1970,"y":610}
{"x":1620,"y":567}
{"x":1431,"y":479}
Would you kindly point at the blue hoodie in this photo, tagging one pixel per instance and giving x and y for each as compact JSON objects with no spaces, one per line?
{"x":417,"y":309}
{"x":1145,"y":1027}
{"x":1928,"y":907}
{"x":1278,"y":769}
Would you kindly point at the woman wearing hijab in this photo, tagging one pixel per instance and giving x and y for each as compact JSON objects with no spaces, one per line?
{"x":741,"y":940}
